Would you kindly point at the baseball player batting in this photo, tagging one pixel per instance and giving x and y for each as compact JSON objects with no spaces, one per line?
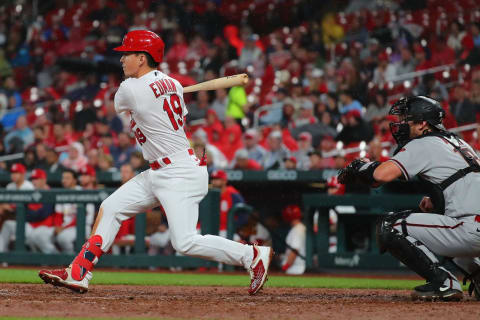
{"x":177,"y":179}
{"x":450,"y":222}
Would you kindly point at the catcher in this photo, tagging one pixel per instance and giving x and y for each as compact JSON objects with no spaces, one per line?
{"x":449,"y":224}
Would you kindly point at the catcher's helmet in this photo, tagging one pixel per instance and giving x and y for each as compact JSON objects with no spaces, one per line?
{"x":291,"y":212}
{"x":143,"y":41}
{"x":418,"y":108}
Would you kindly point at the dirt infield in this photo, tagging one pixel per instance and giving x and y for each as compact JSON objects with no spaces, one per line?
{"x":27,"y":300}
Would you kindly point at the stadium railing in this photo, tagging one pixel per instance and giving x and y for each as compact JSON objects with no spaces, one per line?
{"x":208,"y":216}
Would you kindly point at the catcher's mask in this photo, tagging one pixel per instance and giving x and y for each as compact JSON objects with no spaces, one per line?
{"x":416,"y":109}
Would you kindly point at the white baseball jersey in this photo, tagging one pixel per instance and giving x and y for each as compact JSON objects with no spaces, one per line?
{"x":158,"y":112}
{"x":296,"y":240}
{"x":435,"y":159}
{"x":26,"y":185}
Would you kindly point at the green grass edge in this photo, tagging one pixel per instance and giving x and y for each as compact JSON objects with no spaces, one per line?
{"x":217,"y":279}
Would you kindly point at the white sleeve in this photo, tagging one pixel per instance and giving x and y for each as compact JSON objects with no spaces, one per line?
{"x":124,"y":99}
{"x":296,"y":239}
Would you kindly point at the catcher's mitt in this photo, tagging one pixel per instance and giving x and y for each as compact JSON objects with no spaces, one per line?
{"x":358,"y":171}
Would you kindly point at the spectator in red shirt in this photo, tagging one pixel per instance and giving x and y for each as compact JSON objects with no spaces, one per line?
{"x":442,"y":54}
{"x":228,"y":198}
{"x":421,"y":57}
{"x":214,"y":128}
{"x":242,"y":162}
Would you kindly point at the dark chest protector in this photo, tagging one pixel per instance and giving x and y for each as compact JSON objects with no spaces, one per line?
{"x":434,"y":190}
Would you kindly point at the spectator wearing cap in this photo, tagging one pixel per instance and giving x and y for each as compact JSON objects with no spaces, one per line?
{"x":17,"y":175}
{"x":305,"y":116}
{"x":220,"y":103}
{"x":277,"y":151}
{"x":355,"y":129}
{"x":123,"y":150}
{"x":293,"y":261}
{"x":88,"y":178}
{"x":200,"y":140}
{"x":39,"y":232}
{"x":290,"y":163}
{"x":348,"y":103}
{"x":243,"y":162}
{"x":304,"y":148}
{"x":250,"y":141}
{"x":385,"y":71}
{"x":65,"y":218}
{"x":250,"y":53}
{"x":75,"y":159}
{"x":229,"y":197}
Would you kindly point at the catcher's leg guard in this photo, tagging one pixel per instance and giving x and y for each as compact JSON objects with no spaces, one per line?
{"x":409,"y":251}
{"x":87,"y":258}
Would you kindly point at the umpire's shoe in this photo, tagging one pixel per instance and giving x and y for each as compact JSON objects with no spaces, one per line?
{"x":262,"y":256}
{"x":434,"y":292}
{"x":63,"y":278}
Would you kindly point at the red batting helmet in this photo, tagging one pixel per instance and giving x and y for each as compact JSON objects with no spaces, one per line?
{"x":291,"y":212}
{"x":143,"y":40}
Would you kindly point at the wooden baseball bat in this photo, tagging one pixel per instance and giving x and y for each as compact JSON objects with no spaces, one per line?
{"x":220,"y":83}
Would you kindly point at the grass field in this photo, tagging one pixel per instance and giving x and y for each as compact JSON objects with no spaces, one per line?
{"x":229,"y":280}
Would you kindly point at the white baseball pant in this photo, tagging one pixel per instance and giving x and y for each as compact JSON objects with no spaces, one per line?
{"x":178,"y":187}
{"x":66,"y":239}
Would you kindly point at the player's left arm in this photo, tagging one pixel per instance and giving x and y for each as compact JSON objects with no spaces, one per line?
{"x":387,"y":171}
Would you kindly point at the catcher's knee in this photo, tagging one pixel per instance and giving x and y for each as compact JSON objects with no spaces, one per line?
{"x":385,"y":232}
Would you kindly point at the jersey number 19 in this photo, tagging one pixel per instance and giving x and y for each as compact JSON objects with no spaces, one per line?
{"x":174,"y":104}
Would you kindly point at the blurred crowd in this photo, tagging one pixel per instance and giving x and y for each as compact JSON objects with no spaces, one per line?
{"x":322,"y":77}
